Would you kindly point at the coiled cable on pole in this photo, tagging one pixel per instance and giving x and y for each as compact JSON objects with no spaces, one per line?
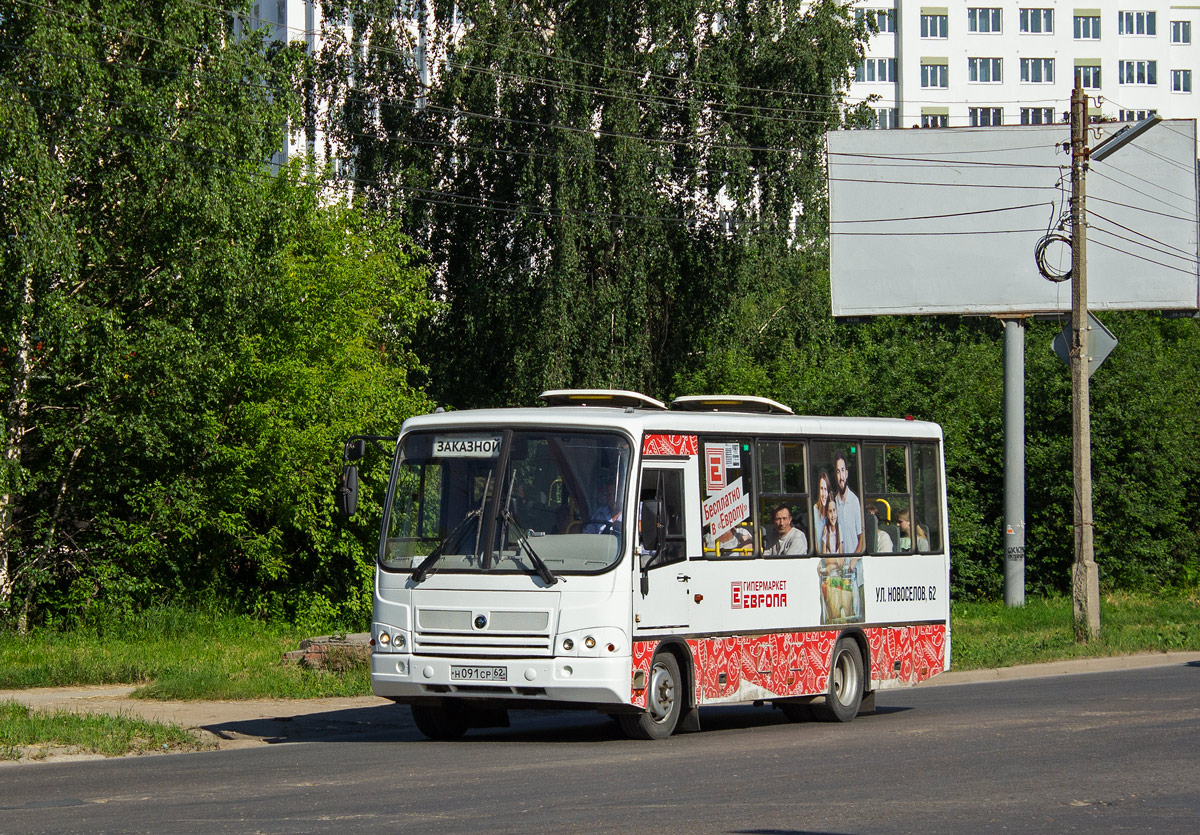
{"x":1039,"y":255}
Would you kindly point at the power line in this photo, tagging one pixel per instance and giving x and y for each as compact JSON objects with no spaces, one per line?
{"x":942,"y":185}
{"x":949,"y":214}
{"x":1143,"y":258}
{"x":929,"y":234}
{"x":1142,"y":209}
{"x":931,"y":161}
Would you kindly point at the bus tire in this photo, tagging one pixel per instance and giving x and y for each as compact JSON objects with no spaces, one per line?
{"x":845,"y":692}
{"x":439,"y":722}
{"x":664,"y":702}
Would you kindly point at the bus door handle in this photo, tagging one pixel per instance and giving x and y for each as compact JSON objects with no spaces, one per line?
{"x":683,"y":578}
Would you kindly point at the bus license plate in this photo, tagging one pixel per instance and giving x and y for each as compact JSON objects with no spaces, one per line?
{"x":458,"y":673}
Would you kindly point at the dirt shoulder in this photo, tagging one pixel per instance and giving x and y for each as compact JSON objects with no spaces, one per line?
{"x":241,"y":724}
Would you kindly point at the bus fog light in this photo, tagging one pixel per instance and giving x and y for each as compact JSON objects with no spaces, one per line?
{"x":567,"y":670}
{"x":568,"y":644}
{"x":402,"y":667}
{"x":589,"y":642}
{"x":530,"y":674}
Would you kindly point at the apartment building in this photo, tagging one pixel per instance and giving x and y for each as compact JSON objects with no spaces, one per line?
{"x":992,"y":62}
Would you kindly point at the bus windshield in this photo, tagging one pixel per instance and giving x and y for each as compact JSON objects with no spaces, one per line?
{"x":560,"y":496}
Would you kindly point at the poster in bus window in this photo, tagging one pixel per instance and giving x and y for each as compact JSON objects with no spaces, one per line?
{"x":841,"y":583}
{"x":714,"y":467}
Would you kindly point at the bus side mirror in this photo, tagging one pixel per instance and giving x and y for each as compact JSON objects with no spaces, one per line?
{"x":355,"y":449}
{"x":650,"y":527}
{"x":347,"y":498}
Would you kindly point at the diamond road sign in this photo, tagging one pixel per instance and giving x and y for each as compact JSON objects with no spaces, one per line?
{"x":1100,"y":343}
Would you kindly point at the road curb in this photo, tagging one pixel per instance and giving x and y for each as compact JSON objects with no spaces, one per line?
{"x":1073,"y":666}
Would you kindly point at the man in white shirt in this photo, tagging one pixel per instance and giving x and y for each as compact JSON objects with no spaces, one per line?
{"x":849,"y":509}
{"x":786,"y":540}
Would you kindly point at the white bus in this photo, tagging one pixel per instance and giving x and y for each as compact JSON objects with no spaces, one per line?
{"x":607,"y":552}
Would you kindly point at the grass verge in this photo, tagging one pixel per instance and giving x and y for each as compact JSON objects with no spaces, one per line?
{"x":994,"y":635}
{"x":184,"y":654}
{"x":35,"y":734}
{"x":175,"y":654}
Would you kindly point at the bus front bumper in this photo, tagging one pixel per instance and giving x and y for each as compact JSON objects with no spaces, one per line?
{"x":598,"y":681}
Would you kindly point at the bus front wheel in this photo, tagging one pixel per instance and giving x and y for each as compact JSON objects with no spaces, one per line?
{"x":845,"y":692}
{"x":664,"y":702}
{"x":439,"y":722}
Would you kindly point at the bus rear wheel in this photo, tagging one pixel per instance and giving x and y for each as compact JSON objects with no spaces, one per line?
{"x":439,"y":722}
{"x":845,"y":692}
{"x":664,"y":702}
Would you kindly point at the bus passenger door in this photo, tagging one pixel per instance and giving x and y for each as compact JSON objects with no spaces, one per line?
{"x":661,"y":588}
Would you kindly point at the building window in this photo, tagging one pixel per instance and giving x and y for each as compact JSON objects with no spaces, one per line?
{"x":983,"y":20}
{"x":1087,"y":28}
{"x":1137,"y":72}
{"x":885,"y":118}
{"x":884,"y":19}
{"x":1088,"y":76}
{"x":1037,"y":21}
{"x":934,"y":26}
{"x":935,"y":120}
{"x":876,"y":69}
{"x":984,"y":70}
{"x":935,"y":75}
{"x":1181,"y":31}
{"x":1037,"y":70}
{"x":1037,"y":115}
{"x":1181,"y":81}
{"x":983,"y":117}
{"x":1135,"y":115}
{"x":1136,"y":23}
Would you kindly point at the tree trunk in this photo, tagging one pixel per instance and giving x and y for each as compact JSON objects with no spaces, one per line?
{"x":16,"y":426}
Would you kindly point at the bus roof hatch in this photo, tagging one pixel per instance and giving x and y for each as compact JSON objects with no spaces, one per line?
{"x":618,"y":398}
{"x":730,"y":403}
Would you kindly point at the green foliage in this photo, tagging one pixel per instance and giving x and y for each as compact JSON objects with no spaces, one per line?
{"x":580,"y":155}
{"x":185,"y":340}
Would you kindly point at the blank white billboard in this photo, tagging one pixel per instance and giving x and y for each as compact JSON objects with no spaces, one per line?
{"x":946,"y":220}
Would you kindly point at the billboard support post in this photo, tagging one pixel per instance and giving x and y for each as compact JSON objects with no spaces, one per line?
{"x":1085,"y":577}
{"x":1014,"y":462}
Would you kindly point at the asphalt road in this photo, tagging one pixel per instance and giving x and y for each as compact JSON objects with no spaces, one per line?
{"x":1099,"y":752}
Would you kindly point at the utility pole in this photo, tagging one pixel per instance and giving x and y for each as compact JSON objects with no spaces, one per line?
{"x":1085,"y":578}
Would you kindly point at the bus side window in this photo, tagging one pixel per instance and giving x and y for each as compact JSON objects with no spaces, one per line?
{"x":838,"y":525}
{"x":666,"y":486}
{"x":927,"y":509}
{"x":728,"y":515}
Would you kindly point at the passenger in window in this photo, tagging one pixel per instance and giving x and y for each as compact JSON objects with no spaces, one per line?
{"x":831,"y":532}
{"x":883,"y":540}
{"x":905,"y":538}
{"x":785,"y":540}
{"x":733,"y":543}
{"x":849,"y":508}
{"x":824,"y":494}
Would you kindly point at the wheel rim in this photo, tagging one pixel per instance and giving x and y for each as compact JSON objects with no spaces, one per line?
{"x":845,"y":679}
{"x":662,"y":693}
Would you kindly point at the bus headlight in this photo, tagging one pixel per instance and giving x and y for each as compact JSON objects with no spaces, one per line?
{"x":384,"y":639}
{"x":589,"y":642}
{"x":568,"y":644}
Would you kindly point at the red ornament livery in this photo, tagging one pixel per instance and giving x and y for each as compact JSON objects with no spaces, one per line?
{"x":797,"y":663}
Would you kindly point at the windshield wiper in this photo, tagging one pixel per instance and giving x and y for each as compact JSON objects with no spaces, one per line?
{"x":543,"y":570}
{"x":426,"y":564}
